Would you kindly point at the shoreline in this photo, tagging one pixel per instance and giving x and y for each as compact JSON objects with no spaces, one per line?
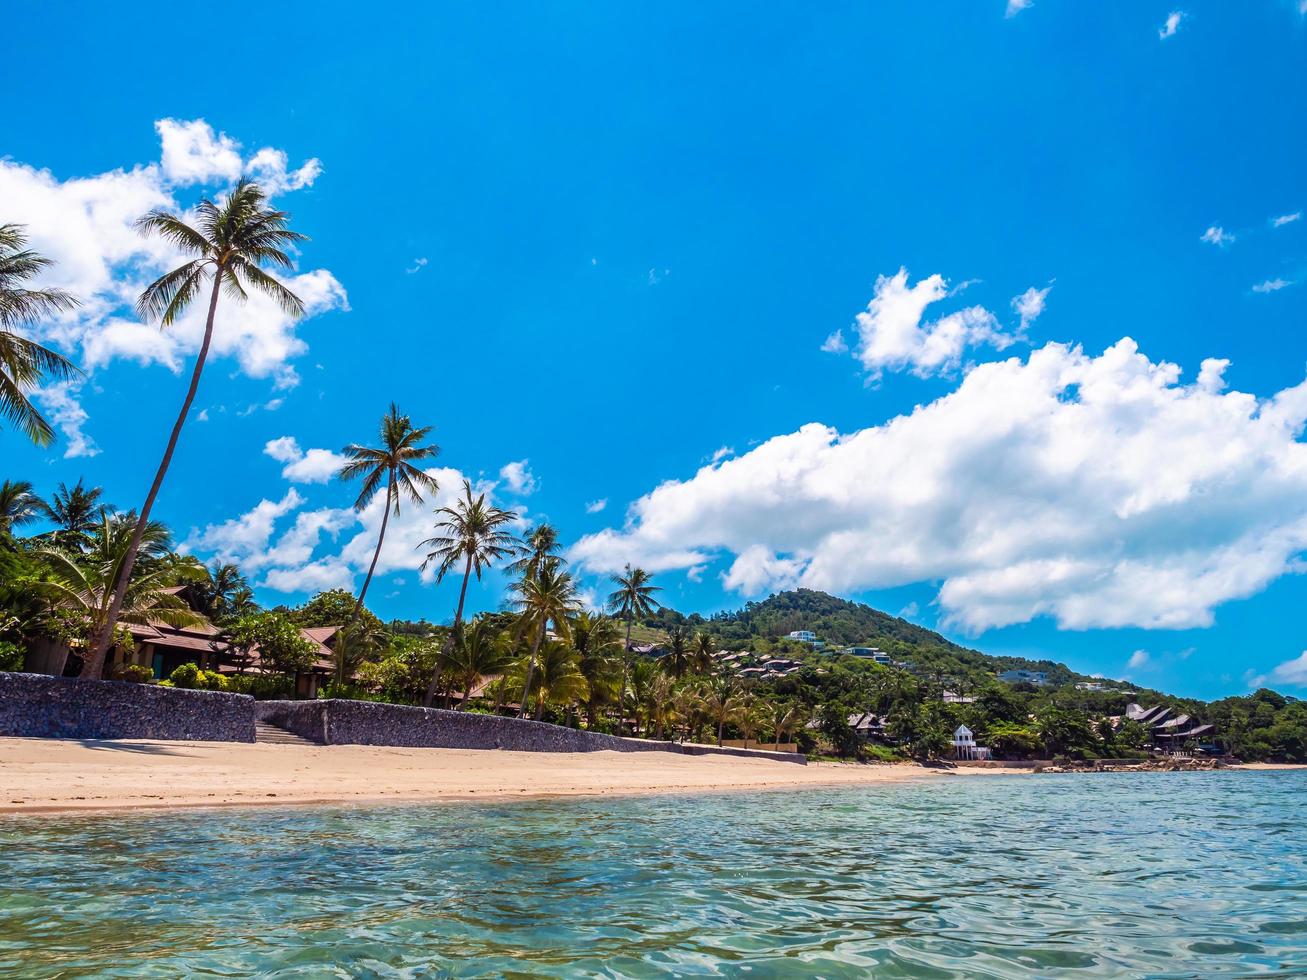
{"x":45,"y":776}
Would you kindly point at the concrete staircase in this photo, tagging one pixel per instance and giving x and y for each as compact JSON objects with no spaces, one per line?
{"x":275,"y":735}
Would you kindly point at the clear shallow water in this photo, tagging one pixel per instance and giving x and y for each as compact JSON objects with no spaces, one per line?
{"x":1162,"y":875}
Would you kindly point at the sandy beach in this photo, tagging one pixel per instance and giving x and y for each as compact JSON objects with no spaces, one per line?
{"x":38,"y":775}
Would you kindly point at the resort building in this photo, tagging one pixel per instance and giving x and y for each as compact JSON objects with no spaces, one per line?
{"x":1037,"y":677}
{"x":1170,"y":732}
{"x":870,"y":653}
{"x":807,"y":637}
{"x":952,"y":698}
{"x":1089,"y":686}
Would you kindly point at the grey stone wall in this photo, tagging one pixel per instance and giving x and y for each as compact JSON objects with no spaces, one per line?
{"x":339,"y":722}
{"x":39,"y":706}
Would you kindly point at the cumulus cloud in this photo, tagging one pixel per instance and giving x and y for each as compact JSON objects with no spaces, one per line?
{"x":1100,"y":491}
{"x":835,"y":343}
{"x":518,"y":478}
{"x":1286,"y":219}
{"x":311,"y":466}
{"x":595,"y":506}
{"x":1030,"y":304}
{"x":892,"y":335}
{"x":1292,"y":672}
{"x":87,"y":226}
{"x":65,"y":412}
{"x":1216,"y":235}
{"x":243,"y":539}
{"x":1171,"y":24}
{"x":1271,"y":285}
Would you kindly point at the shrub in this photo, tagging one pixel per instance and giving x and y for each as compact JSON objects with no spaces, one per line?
{"x":134,"y":673}
{"x":262,"y":687}
{"x":186,"y":676}
{"x":11,"y":657}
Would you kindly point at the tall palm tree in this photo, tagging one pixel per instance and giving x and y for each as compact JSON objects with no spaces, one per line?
{"x":393,"y":464}
{"x":75,"y":512}
{"x":547,"y":597}
{"x":539,"y":546}
{"x":24,"y":363}
{"x":721,"y":698}
{"x":84,"y":583}
{"x":701,"y":656}
{"x":595,"y":639}
{"x":676,"y":661}
{"x":471,"y":532}
{"x":481,"y":651}
{"x":633,"y":597}
{"x":558,"y":678}
{"x":221,"y":593}
{"x":19,"y":504}
{"x":231,"y":241}
{"x":786,"y":718}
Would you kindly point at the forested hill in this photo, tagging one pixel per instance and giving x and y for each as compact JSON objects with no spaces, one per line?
{"x":843,"y":623}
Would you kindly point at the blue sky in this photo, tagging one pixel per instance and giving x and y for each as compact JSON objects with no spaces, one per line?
{"x":613,"y":242}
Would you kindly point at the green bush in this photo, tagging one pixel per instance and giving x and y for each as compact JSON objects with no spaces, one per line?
{"x":11,"y":657}
{"x":186,"y":676}
{"x":262,"y":687}
{"x":134,"y":673}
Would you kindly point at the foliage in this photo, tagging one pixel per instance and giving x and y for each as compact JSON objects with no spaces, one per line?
{"x":332,"y":608}
{"x":281,"y":646}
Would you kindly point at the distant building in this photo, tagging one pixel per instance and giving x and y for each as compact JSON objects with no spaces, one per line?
{"x":1037,"y":677}
{"x":869,"y":653}
{"x":952,"y":698}
{"x":808,"y":637}
{"x":1167,"y":731}
{"x":1089,"y":686}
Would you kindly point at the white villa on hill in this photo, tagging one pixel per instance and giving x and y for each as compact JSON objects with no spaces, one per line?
{"x":965,"y":747}
{"x":807,"y":637}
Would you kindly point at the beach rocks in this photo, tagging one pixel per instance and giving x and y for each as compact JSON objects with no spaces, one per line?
{"x":1142,"y":765}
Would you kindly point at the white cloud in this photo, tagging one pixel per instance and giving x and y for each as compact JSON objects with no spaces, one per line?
{"x":1292,"y":672}
{"x":595,"y":506}
{"x":87,"y":226}
{"x":416,"y":266}
{"x":318,"y":576}
{"x":722,"y":452}
{"x":1286,"y":219}
{"x":1098,"y":491}
{"x":1171,"y":25}
{"x":892,"y":336}
{"x":270,"y":167}
{"x":1216,"y":235}
{"x":311,"y":466}
{"x":1015,"y":7}
{"x":243,"y":539}
{"x":835,"y":344}
{"x":657,"y":275}
{"x":518,"y":477}
{"x":65,"y":412}
{"x":909,"y":611}
{"x":1271,"y":285}
{"x":1137,"y":660}
{"x":1030,"y":304}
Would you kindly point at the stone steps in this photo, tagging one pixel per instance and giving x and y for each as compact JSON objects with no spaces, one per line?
{"x":273,"y":735}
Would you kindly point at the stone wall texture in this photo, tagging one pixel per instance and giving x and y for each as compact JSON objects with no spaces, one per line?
{"x":40,"y":706}
{"x":338,"y":722}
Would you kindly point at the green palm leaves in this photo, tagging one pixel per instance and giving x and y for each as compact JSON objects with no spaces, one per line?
{"x":24,"y":363}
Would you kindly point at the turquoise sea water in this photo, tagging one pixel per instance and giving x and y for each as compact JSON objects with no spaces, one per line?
{"x":1161,"y":875}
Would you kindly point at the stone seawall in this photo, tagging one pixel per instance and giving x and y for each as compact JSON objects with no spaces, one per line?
{"x":40,"y":706}
{"x":340,"y":722}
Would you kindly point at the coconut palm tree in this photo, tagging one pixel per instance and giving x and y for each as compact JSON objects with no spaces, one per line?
{"x":595,"y":639}
{"x":225,"y":590}
{"x":75,"y":512}
{"x":19,"y":504}
{"x":687,"y":704}
{"x":547,"y":597}
{"x":721,"y":699}
{"x":393,"y":464}
{"x":676,"y":661}
{"x":662,"y":706}
{"x":633,"y":597}
{"x":471,"y":532}
{"x":557,"y":679}
{"x":230,"y":242}
{"x":24,"y":363}
{"x":701,"y":655}
{"x":481,"y":651}
{"x":788,"y":718}
{"x":641,"y":678}
{"x":84,"y":583}
{"x":539,"y":546}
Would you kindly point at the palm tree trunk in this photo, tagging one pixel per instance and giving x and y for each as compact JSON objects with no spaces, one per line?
{"x":626,"y":671}
{"x":530,"y":668}
{"x":720,"y":723}
{"x":385,"y":519}
{"x":94,"y":663}
{"x":449,"y":640}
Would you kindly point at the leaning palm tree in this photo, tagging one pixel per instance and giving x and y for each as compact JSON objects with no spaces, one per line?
{"x":24,"y":363}
{"x":75,"y":512}
{"x":19,"y":504}
{"x":393,"y":464}
{"x":83,"y":583}
{"x":787,"y":718}
{"x":558,"y":679}
{"x":547,"y":597}
{"x":471,"y":533}
{"x":231,"y":242}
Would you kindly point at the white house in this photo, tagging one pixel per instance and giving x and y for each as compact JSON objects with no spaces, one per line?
{"x":808,"y":637}
{"x":965,"y":747}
